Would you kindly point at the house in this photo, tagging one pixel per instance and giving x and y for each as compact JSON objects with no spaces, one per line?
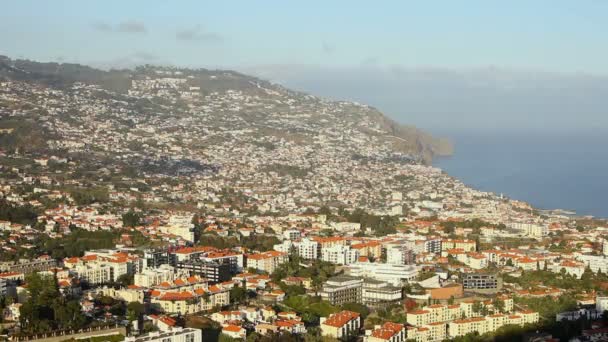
{"x":341,"y":324}
{"x":234,"y":331}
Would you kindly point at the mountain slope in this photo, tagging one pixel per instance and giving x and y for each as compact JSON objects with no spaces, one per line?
{"x":172,"y":91}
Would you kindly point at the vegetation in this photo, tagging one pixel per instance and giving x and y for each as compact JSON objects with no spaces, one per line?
{"x":261,"y":242}
{"x":319,"y":271}
{"x":588,"y":281}
{"x":79,"y":241}
{"x":90,"y":196}
{"x":131,"y":219}
{"x":46,"y":309}
{"x":17,"y":214}
{"x":380,"y":225}
{"x":476,"y":224}
{"x":310,"y":308}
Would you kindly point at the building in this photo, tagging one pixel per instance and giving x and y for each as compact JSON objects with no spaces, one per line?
{"x":94,"y":274}
{"x":153,"y":258}
{"x":176,"y":334}
{"x":233,"y":259}
{"x":267,"y":261}
{"x":234,"y":331}
{"x":29,"y":266}
{"x":339,"y":254}
{"x":482,"y":325}
{"x":214,"y":272}
{"x":341,"y":324}
{"x":308,"y":249}
{"x":465,"y":245}
{"x":388,"y":332}
{"x":130,"y":294}
{"x":432,"y":246}
{"x":395,"y":275}
{"x":155,"y":276}
{"x":371,"y":249}
{"x":481,"y":282}
{"x":343,"y":289}
{"x":291,"y":234}
{"x":378,"y":294}
{"x":189,"y":301}
{"x":601,"y":303}
{"x":399,"y":255}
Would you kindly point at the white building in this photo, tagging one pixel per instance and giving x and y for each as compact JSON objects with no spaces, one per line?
{"x":399,"y":255}
{"x":156,"y":276}
{"x":595,"y":262}
{"x":291,"y":234}
{"x":175,"y":335}
{"x":392,"y":274}
{"x":601,"y":303}
{"x":339,"y":254}
{"x":308,"y":249}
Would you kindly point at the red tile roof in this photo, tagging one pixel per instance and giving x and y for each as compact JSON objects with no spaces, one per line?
{"x":339,"y":319}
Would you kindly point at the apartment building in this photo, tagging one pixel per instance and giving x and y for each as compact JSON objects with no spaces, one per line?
{"x":378,"y":294}
{"x":308,"y":249}
{"x":482,"y":325}
{"x":156,"y":276}
{"x":339,"y":254}
{"x":267,"y":261}
{"x":465,"y":245}
{"x":343,"y":289}
{"x":481,"y":282}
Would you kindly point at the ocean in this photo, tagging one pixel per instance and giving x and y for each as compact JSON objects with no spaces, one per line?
{"x":559,"y":171}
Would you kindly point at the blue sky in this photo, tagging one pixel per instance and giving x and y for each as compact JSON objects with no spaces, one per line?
{"x":445,"y":66}
{"x":565,"y":36}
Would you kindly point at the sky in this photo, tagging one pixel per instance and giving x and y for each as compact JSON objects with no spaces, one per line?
{"x":441,"y":65}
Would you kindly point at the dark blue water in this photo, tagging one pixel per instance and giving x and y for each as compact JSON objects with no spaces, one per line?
{"x":566,"y":171}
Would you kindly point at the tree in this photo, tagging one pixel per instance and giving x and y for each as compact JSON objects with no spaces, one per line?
{"x":477,"y":307}
{"x":125,"y":279}
{"x":135,"y":310}
{"x":46,"y":309}
{"x":499,"y":305}
{"x":131,"y":219}
{"x":238,"y":294}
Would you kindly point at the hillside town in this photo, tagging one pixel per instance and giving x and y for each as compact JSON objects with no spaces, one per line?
{"x":197,"y":205}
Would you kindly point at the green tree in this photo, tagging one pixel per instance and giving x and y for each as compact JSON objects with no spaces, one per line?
{"x":131,"y":219}
{"x":356,"y":307}
{"x":238,"y":294}
{"x":135,"y":310}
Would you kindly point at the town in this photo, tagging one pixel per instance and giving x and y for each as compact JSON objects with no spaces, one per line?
{"x":179,"y":205}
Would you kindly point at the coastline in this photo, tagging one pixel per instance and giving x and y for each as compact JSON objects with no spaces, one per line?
{"x":553,"y":175}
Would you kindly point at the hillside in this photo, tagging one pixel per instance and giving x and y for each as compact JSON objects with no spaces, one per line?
{"x":172,"y":91}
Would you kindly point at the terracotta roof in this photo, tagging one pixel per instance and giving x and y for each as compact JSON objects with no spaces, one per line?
{"x":232,"y":328}
{"x":339,"y":319}
{"x":266,"y":255}
{"x":387,"y":331}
